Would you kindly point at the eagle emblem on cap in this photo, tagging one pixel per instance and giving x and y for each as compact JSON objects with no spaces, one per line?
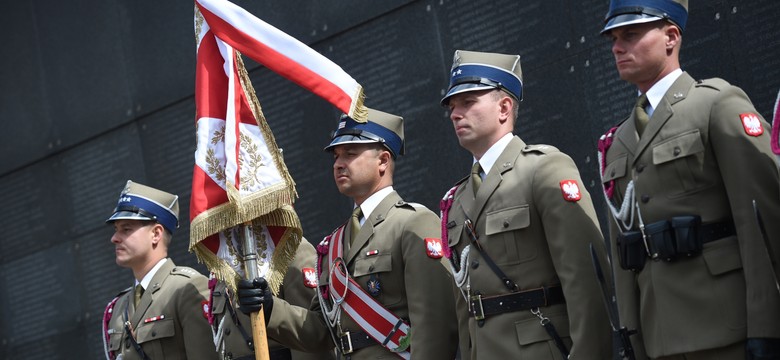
{"x":752,"y":124}
{"x":570,"y":190}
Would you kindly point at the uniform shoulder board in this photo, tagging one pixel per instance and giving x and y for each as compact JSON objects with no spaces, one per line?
{"x":404,"y":204}
{"x":184,"y":271}
{"x":713,"y":83}
{"x":541,"y":148}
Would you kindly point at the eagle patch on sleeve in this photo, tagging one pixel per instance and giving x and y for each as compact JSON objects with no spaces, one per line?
{"x":433,"y":248}
{"x":309,"y":277}
{"x":570,"y":190}
{"x":752,"y":124}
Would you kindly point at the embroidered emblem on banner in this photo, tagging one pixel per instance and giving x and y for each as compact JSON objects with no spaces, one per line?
{"x":752,"y":124}
{"x":571,"y":191}
{"x":309,"y":277}
{"x":433,"y":248}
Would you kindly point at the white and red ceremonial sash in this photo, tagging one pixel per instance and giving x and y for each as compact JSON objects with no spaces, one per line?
{"x":284,"y":55}
{"x":239,"y":175}
{"x":370,"y":315}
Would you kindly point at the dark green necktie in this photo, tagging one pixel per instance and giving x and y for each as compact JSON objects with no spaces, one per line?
{"x":640,"y":115}
{"x":355,"y":224}
{"x":476,"y":179}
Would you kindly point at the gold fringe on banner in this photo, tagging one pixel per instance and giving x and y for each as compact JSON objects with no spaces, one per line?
{"x":359,"y":111}
{"x":283,"y":254}
{"x":228,"y":215}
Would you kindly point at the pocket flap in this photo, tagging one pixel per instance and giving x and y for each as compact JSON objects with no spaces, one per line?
{"x":155,"y":330}
{"x":678,"y":147}
{"x":616,"y":169}
{"x":219,"y":299}
{"x":722,"y":256}
{"x":373,"y":264}
{"x":530,"y":330}
{"x":513,"y":218}
{"x":115,"y":340}
{"x":454,"y":233}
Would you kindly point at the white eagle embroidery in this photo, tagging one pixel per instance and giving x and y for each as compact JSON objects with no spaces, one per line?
{"x":752,"y":124}
{"x":572,"y":190}
{"x":310,"y":277}
{"x":434,"y":248}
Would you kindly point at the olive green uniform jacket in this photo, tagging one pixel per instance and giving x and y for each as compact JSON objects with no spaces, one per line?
{"x":696,"y":158}
{"x":293,"y":290}
{"x":537,"y":238}
{"x":170,"y":322}
{"x":390,"y":247}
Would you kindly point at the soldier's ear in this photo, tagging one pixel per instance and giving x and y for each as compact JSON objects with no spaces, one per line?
{"x":158,"y":234}
{"x":505,"y":108}
{"x":384,"y":159}
{"x":673,"y":36}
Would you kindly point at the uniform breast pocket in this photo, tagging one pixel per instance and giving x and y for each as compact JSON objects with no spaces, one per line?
{"x":218,"y":303}
{"x":373,"y":273}
{"x":504,"y":242}
{"x":115,"y":338}
{"x":681,"y":156}
{"x":454,"y":232}
{"x":155,"y":330}
{"x":616,"y":169}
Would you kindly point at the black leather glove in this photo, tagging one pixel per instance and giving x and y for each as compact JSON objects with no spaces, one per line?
{"x":763,"y":349}
{"x":254,"y":295}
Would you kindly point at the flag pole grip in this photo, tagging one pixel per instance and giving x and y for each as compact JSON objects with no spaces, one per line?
{"x":259,"y":338}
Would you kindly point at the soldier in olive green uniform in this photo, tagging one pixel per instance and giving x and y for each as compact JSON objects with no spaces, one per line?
{"x":519,"y":228}
{"x":233,"y":328}
{"x":383,"y":290}
{"x":693,"y":274}
{"x":164,"y":315}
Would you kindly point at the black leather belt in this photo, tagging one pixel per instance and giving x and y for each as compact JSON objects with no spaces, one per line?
{"x":525,"y":300}
{"x":351,"y":341}
{"x":718,"y":230}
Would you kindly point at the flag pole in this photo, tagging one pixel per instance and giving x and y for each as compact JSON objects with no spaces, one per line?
{"x":257,"y":318}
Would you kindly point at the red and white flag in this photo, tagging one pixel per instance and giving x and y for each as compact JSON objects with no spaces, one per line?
{"x":239,"y":175}
{"x":284,"y":55}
